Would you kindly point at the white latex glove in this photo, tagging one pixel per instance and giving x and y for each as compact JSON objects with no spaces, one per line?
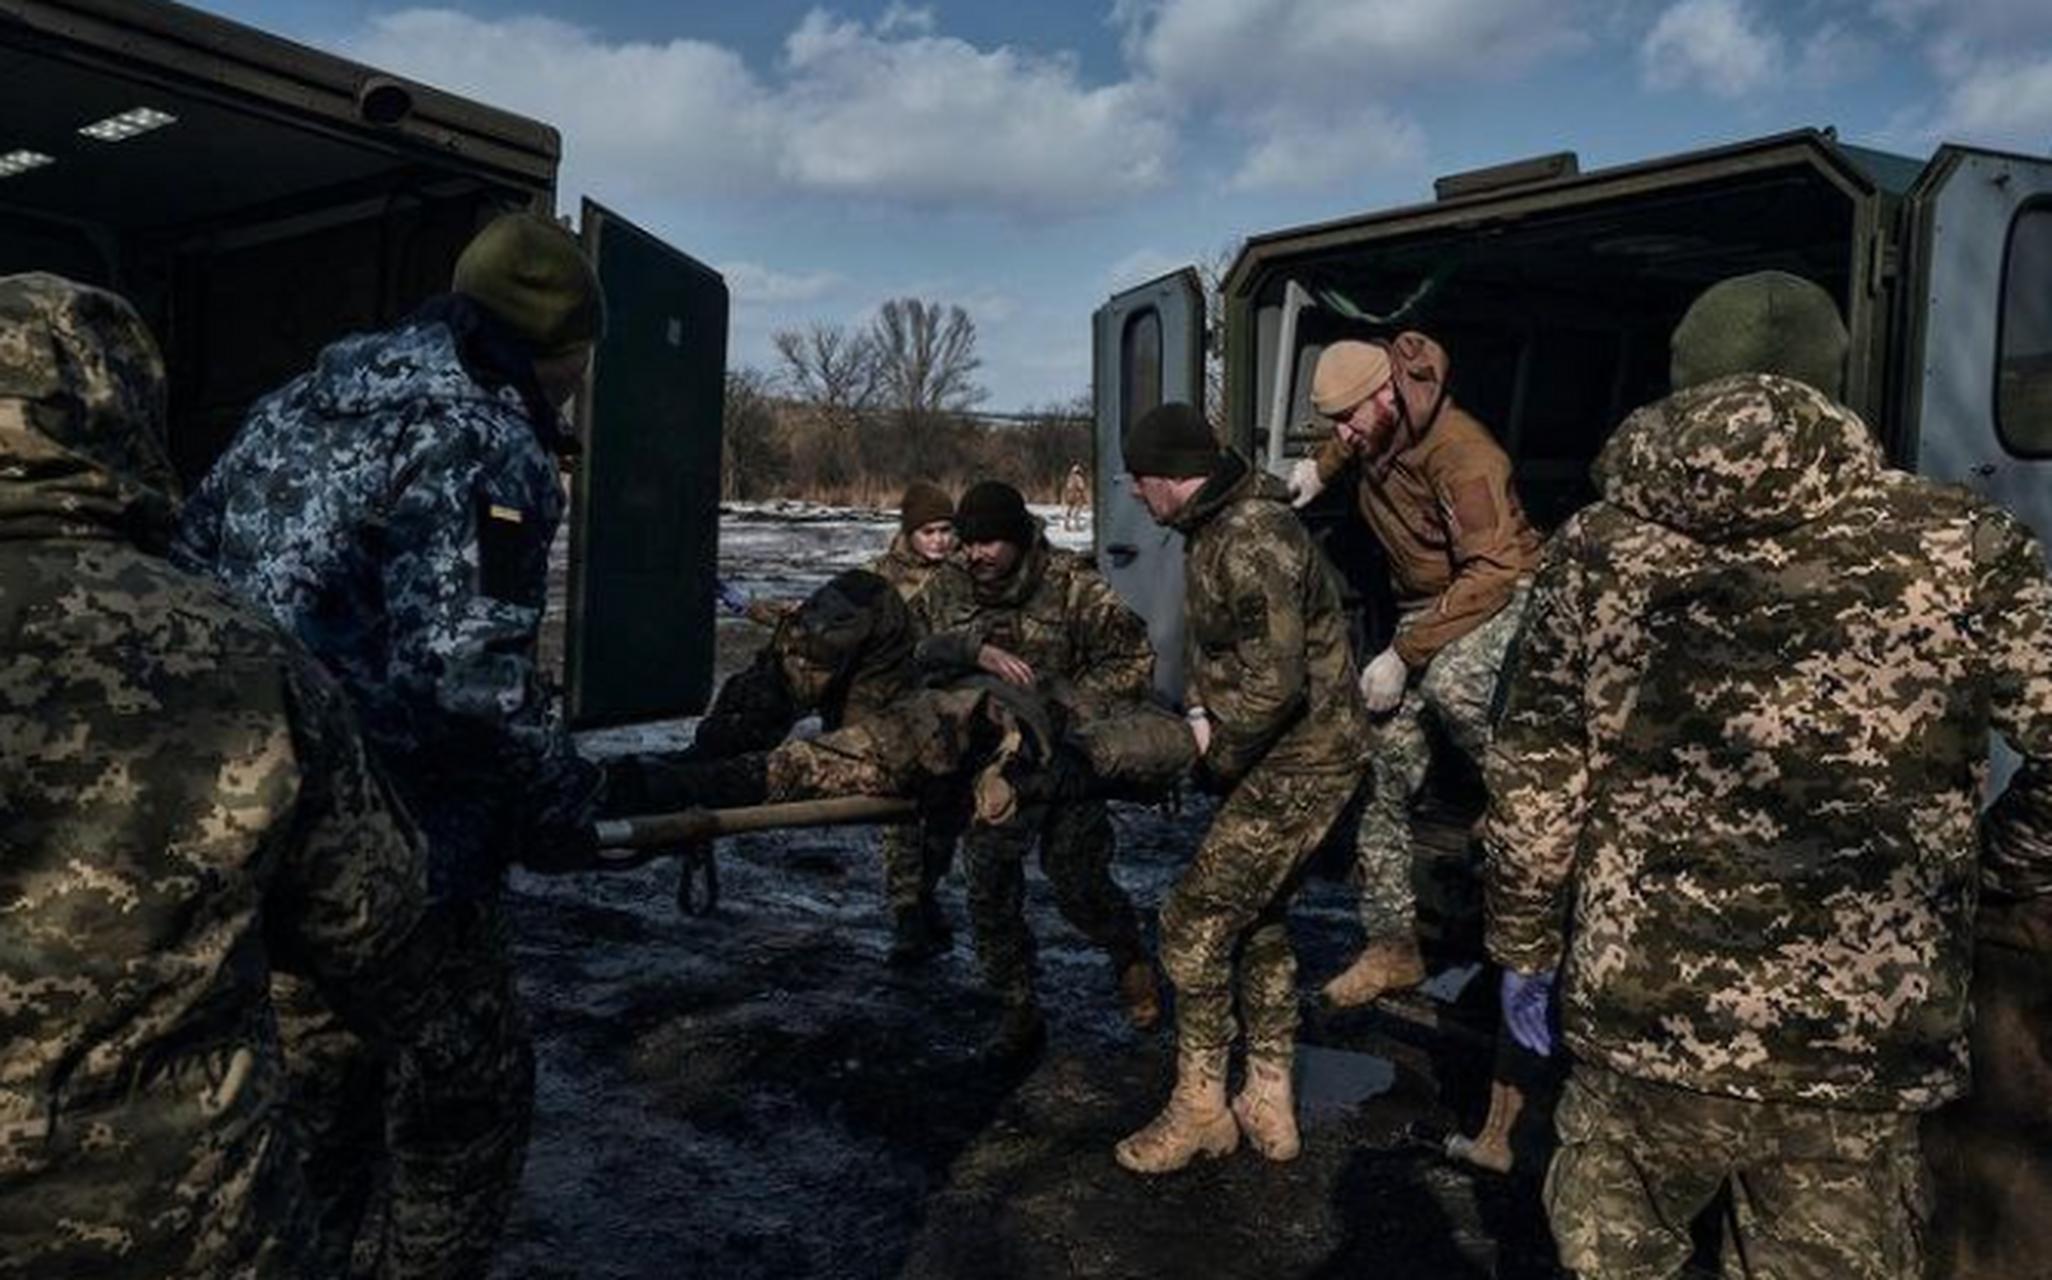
{"x":1304,"y":482}
{"x":1200,"y":729}
{"x":1382,"y":684}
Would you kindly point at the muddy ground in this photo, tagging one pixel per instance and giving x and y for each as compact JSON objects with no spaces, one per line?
{"x":755,"y":1093}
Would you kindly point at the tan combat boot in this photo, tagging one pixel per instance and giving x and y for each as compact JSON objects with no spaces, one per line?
{"x":1266,"y":1108}
{"x":1491,"y":1149}
{"x":1194,"y":1123}
{"x":1385,"y":965}
{"x":1140,"y":994}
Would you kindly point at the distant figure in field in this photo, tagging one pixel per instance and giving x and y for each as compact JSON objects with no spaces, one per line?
{"x":1075,"y":497}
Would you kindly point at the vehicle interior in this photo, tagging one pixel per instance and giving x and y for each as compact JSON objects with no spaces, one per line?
{"x":246,"y":239}
{"x":1556,"y":323}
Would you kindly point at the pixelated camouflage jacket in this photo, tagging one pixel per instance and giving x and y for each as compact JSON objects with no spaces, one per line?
{"x":905,"y":568}
{"x":1053,"y":611}
{"x":184,"y":803}
{"x":1269,"y":656}
{"x":1745,"y":745}
{"x":397,"y":516}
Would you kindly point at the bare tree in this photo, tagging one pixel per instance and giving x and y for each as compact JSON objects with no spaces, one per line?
{"x":832,"y":367}
{"x":1213,"y":272}
{"x":926,"y":357}
{"x":754,"y":461}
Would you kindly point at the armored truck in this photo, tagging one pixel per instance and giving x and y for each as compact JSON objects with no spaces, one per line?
{"x":1555,"y":292}
{"x":257,"y":199}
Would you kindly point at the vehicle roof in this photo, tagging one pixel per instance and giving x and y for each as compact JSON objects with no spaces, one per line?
{"x":228,"y":62}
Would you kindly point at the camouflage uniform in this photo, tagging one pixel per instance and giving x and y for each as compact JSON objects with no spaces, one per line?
{"x":188,"y":804}
{"x":1270,"y":663}
{"x":1458,"y":691}
{"x":915,"y":857}
{"x":1056,"y":614}
{"x":1743,"y":751}
{"x":844,"y":654}
{"x":394,"y":508}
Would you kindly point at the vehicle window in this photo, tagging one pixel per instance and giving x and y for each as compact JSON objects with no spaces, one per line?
{"x":1140,"y":360}
{"x":2023,"y":370}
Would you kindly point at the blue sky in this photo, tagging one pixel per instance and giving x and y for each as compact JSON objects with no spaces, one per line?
{"x":1025,"y":159}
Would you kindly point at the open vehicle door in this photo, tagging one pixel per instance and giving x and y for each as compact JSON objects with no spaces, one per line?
{"x":645,"y":508}
{"x":1978,"y":366}
{"x":1149,"y":349}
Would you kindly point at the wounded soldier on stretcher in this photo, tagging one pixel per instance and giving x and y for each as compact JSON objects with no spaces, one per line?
{"x":972,"y":750}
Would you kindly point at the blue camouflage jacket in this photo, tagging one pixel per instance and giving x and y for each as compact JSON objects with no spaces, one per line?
{"x":397,"y":515}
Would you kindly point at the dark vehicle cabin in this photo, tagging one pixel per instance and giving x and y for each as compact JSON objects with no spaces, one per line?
{"x":257,"y":199}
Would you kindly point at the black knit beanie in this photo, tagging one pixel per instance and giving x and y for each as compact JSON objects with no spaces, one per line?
{"x":1171,"y":440}
{"x":993,"y":511}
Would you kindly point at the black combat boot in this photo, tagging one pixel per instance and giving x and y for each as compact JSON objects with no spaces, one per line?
{"x":914,"y":939}
{"x":1018,"y":1039}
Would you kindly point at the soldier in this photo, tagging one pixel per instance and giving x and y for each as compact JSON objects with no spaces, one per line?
{"x":915,"y":855}
{"x":1740,"y":768}
{"x":1436,"y":490}
{"x":188,"y":806}
{"x":1075,"y":496}
{"x":1028,"y":613}
{"x":394,"y":508}
{"x":1279,"y":730}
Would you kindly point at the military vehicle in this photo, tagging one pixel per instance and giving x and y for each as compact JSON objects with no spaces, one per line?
{"x":257,"y":199}
{"x":1555,"y":292}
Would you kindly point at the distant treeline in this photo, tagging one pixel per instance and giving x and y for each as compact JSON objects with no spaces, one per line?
{"x":778,"y":447}
{"x":852,"y":415}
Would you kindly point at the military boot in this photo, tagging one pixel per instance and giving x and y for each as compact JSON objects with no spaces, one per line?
{"x":1491,"y":1148}
{"x":1139,"y":992}
{"x":1018,"y":1039}
{"x":1384,"y":965}
{"x":914,"y":940}
{"x":1266,"y":1108}
{"x":1194,"y":1123}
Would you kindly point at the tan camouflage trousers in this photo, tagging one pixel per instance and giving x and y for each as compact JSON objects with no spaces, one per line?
{"x":1458,"y":690}
{"x":916,"y":856}
{"x":416,"y":1177}
{"x":1075,"y":840}
{"x":1818,"y":1193}
{"x":1223,"y":925}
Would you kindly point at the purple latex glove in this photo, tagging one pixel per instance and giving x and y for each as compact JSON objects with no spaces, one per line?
{"x":1527,"y":1006}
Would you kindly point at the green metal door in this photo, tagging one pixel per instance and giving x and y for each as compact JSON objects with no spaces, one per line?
{"x":644,"y":543}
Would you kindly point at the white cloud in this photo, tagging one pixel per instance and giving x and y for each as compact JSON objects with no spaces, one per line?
{"x":1992,"y":62}
{"x":1142,"y":265}
{"x":1295,"y":150}
{"x":905,"y":17}
{"x":935,"y":120}
{"x":1834,"y":54}
{"x":2001,"y":102}
{"x":1311,"y":85}
{"x":1717,"y":45}
{"x":889,"y":112}
{"x":1319,"y":49}
{"x":752,"y":284}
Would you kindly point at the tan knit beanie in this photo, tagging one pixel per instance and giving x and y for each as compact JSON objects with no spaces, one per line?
{"x":1348,"y":373}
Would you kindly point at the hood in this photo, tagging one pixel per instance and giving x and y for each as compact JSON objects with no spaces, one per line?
{"x":854,"y":630}
{"x":82,"y":433}
{"x":1232,"y":480}
{"x":1419,"y":365}
{"x":1741,"y":457}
